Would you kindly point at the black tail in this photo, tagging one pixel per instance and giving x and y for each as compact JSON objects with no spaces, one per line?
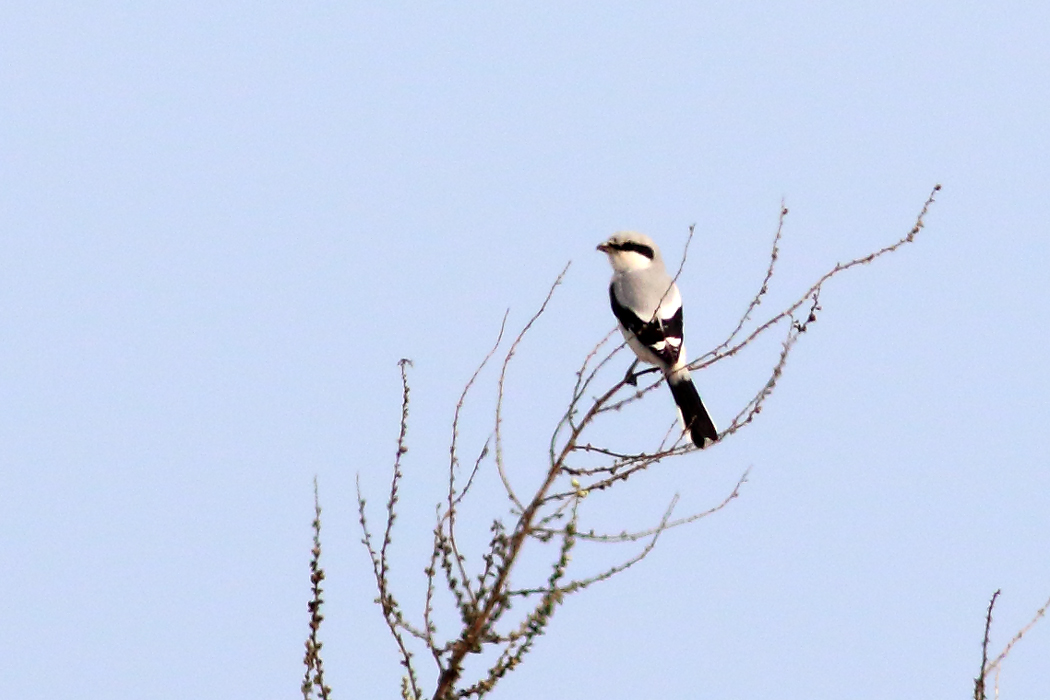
{"x":697,"y":422}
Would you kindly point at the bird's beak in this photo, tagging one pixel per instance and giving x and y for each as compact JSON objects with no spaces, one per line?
{"x":604,"y":247}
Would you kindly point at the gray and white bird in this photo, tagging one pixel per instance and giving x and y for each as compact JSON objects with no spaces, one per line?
{"x":648,"y":306}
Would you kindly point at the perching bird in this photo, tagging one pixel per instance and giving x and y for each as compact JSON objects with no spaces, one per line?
{"x":648,"y":306}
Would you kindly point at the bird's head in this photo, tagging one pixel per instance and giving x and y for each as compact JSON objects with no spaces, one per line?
{"x":630,"y":250}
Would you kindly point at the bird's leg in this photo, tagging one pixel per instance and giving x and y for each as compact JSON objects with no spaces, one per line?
{"x":631,"y":378}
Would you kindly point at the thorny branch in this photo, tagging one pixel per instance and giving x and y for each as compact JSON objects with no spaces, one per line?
{"x":380,"y":566}
{"x":979,"y":691}
{"x":313,"y":679}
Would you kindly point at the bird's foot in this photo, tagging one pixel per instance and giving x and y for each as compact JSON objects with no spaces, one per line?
{"x":632,"y":376}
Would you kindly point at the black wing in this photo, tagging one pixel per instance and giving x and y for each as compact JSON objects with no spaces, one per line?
{"x":662,"y":336}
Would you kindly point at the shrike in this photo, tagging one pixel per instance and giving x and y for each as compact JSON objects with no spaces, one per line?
{"x":648,"y":306}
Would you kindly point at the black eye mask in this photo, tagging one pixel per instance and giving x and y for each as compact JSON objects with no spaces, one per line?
{"x":639,"y":248}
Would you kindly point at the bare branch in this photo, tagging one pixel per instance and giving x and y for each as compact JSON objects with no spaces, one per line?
{"x":997,"y":663}
{"x":581,"y":387}
{"x":713,"y":356}
{"x":453,"y":498}
{"x":314,"y":676}
{"x":521,"y":641}
{"x":978,"y":684}
{"x":391,"y":514}
{"x":634,"y":536}
{"x":391,"y":610}
{"x":389,"y":606}
{"x":453,"y":461}
{"x":612,"y":571}
{"x":774,"y":254}
{"x":502,"y":381}
{"x":681,"y":266}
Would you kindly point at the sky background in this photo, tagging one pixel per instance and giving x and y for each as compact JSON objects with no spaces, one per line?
{"x":222,"y":225}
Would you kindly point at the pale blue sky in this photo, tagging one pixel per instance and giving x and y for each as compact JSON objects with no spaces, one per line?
{"x":222,"y":224}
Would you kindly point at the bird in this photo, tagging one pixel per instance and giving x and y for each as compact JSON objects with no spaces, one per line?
{"x":648,"y":307}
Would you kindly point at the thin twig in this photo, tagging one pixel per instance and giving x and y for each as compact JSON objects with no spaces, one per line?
{"x":502,"y":381}
{"x":391,"y":514}
{"x":633,"y":536}
{"x":700,"y":362}
{"x":581,"y":387}
{"x":1017,"y":637}
{"x":978,"y":683}
{"x":453,"y":462}
{"x":773,"y":256}
{"x":386,"y":602}
{"x":314,"y":677}
{"x":574,"y":586}
{"x":391,"y":611}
